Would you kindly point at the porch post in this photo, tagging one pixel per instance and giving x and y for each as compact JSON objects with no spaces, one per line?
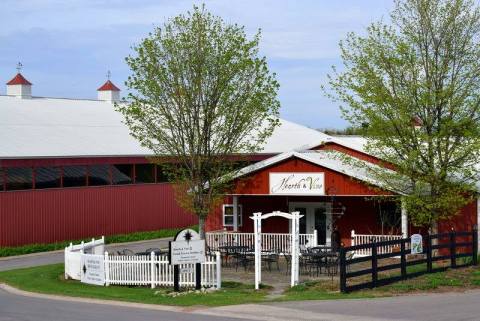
{"x":257,"y":226}
{"x":404,"y":219}
{"x":235,"y":213}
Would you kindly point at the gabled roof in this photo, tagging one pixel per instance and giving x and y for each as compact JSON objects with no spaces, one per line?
{"x":329,"y":159}
{"x":19,"y":80}
{"x":108,"y":86}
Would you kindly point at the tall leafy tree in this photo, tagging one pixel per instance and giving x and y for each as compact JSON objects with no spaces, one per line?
{"x":413,"y":86}
{"x":200,"y":94}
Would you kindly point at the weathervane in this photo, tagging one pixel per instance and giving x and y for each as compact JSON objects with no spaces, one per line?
{"x":19,"y":66}
{"x":109,"y":74}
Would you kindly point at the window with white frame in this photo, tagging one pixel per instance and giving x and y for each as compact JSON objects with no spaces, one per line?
{"x":228,"y":215}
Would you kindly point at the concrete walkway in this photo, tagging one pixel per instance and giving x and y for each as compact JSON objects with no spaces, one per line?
{"x":43,"y":258}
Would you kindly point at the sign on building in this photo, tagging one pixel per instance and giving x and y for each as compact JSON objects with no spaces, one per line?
{"x":416,"y":244}
{"x":297,"y":183}
{"x":92,"y":269}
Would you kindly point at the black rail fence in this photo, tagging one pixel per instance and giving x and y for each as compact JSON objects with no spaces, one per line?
{"x":447,"y":247}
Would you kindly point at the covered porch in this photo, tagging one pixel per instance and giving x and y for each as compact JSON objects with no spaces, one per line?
{"x":350,"y":219}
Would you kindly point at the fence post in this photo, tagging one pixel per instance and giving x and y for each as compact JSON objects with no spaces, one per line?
{"x":353,"y":237}
{"x":429,"y":253}
{"x":107,"y":269}
{"x":374,"y":264}
{"x":152,"y":270}
{"x":343,"y":270}
{"x":453,"y":249}
{"x":219,"y":269}
{"x":475,"y":244}
{"x":315,"y":238}
{"x":403,"y":259}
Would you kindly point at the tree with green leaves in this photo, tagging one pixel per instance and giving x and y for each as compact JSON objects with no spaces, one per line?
{"x":200,"y":96}
{"x":413,"y":86}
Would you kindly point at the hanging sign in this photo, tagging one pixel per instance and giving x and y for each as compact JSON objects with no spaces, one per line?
{"x":416,"y":244}
{"x":92,"y":269}
{"x":297,"y":183}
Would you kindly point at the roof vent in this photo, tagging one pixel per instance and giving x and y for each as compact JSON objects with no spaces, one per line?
{"x":18,"y":86}
{"x":108,"y":91}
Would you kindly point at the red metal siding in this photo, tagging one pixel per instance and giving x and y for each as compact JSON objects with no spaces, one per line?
{"x":44,"y":216}
{"x":335,"y":182}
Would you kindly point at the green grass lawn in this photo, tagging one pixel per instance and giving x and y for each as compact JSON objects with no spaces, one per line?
{"x":449,"y":280}
{"x":119,"y":238}
{"x":49,"y":279}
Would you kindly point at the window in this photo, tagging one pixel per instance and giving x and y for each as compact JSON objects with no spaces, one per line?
{"x":162,"y":176}
{"x":98,"y":175}
{"x":19,"y":178}
{"x":122,"y":174}
{"x":47,"y":177}
{"x":2,"y":180}
{"x":228,"y":215}
{"x":144,"y":173}
{"x":74,"y":176}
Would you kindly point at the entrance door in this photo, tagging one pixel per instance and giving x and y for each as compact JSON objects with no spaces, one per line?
{"x":315,"y":218}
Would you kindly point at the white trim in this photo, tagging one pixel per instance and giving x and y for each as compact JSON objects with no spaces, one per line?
{"x":240,"y":222}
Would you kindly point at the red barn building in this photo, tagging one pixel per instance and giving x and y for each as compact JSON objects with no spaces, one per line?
{"x":69,"y":169}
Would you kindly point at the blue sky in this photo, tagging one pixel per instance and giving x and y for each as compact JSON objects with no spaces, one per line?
{"x":67,"y":46}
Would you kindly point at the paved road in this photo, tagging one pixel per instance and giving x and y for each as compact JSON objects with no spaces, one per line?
{"x":20,"y":308}
{"x":433,"y":307}
{"x":58,"y":257}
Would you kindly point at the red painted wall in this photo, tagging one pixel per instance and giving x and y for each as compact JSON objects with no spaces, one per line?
{"x":335,"y":182}
{"x":44,"y":216}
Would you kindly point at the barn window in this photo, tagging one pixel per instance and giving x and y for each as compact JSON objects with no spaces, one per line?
{"x":2,"y":179}
{"x":144,"y":173}
{"x":74,"y":176}
{"x":19,"y":178}
{"x":122,"y":174}
{"x":228,"y":215}
{"x":98,"y":175}
{"x":162,"y":174}
{"x":47,"y":177}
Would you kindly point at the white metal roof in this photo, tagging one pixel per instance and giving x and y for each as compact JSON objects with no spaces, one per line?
{"x":58,"y":127}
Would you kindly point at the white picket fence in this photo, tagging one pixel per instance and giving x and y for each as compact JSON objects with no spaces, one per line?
{"x":270,"y":241}
{"x":358,"y":239}
{"x":73,"y":253}
{"x":156,"y":271}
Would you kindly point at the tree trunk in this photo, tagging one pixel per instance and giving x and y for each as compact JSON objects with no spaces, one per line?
{"x":201,"y":227}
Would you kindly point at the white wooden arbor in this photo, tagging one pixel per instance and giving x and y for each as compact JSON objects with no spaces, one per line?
{"x":295,"y":244}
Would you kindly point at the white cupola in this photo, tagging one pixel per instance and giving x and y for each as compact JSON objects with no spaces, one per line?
{"x":18,"y":86}
{"x":108,"y":91}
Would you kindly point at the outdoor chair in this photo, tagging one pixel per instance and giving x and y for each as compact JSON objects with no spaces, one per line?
{"x":288,"y":260}
{"x":331,"y":265}
{"x":126,"y":252}
{"x":271,"y":259}
{"x":242,"y":259}
{"x":153,"y":249}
